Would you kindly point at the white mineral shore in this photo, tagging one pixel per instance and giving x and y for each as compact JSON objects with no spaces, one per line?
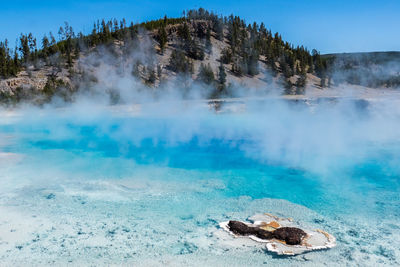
{"x":315,"y":239}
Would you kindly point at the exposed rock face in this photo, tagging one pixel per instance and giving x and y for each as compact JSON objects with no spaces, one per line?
{"x":34,"y":80}
{"x":291,"y":235}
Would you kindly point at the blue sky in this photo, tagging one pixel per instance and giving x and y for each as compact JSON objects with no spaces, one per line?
{"x":329,"y":26}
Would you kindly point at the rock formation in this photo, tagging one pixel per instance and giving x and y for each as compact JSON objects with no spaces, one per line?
{"x":291,"y":235}
{"x":281,"y":235}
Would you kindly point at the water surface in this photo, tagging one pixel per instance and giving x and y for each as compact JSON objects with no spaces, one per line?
{"x":121,"y":189}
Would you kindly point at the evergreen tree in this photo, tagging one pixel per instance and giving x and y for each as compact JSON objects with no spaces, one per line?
{"x":45,"y":47}
{"x":24,"y":47}
{"x":179,"y":63}
{"x":53,"y":45}
{"x":301,"y":81}
{"x":184,"y":32}
{"x":221,"y":75}
{"x":252,"y":63}
{"x":237,"y":67}
{"x":286,"y":69}
{"x":60,"y":33}
{"x":218,"y":28}
{"x":16,"y":63}
{"x":3,"y":60}
{"x":226,"y":56}
{"x":206,"y":74}
{"x":152,"y":76}
{"x":162,"y":37}
{"x":159,"y":72}
{"x":32,"y":47}
{"x":208,"y":40}
{"x":194,"y":50}
{"x":135,"y":70}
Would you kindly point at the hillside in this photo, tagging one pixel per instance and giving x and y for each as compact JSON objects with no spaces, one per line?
{"x":201,"y":53}
{"x":372,"y":69}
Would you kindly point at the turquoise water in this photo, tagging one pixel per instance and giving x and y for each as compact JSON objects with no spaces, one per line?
{"x":150,"y":190}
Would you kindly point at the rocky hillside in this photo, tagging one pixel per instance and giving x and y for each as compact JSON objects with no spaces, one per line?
{"x":201,"y":53}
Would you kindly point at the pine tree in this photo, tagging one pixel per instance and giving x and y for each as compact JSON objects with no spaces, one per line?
{"x":3,"y":60}
{"x":45,"y":47}
{"x":159,"y":71}
{"x":135,"y":70}
{"x":252,"y":63}
{"x":53,"y":44}
{"x":301,"y":81}
{"x":206,"y":74}
{"x":226,"y":56}
{"x":60,"y":33}
{"x":32,"y":47}
{"x":162,"y":37}
{"x":208,"y":40}
{"x":152,"y":76}
{"x":184,"y":32}
{"x":218,"y":29}
{"x":221,"y":75}
{"x":179,"y":63}
{"x":24,"y":47}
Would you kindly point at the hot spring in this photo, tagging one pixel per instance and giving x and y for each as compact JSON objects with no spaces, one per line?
{"x":149,"y":184}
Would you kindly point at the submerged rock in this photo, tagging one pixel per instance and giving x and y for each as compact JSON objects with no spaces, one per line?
{"x":281,"y":235}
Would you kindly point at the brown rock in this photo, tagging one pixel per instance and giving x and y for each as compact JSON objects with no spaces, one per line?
{"x":240,"y":228}
{"x":291,"y":235}
{"x":263,"y":234}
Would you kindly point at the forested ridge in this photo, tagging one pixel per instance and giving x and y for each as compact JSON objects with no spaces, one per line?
{"x":248,"y":46}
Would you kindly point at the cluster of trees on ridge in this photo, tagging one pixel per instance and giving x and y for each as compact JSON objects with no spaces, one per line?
{"x":248,"y":44}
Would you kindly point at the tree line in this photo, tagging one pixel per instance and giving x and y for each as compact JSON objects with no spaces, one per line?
{"x":248,"y":44}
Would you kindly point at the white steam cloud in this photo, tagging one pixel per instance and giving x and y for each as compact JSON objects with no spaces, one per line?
{"x":314,"y":135}
{"x":318,"y":137}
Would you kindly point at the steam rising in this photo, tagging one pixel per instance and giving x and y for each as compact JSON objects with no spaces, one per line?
{"x":314,"y":134}
{"x":309,"y":135}
{"x":128,"y":172}
{"x":164,"y":164}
